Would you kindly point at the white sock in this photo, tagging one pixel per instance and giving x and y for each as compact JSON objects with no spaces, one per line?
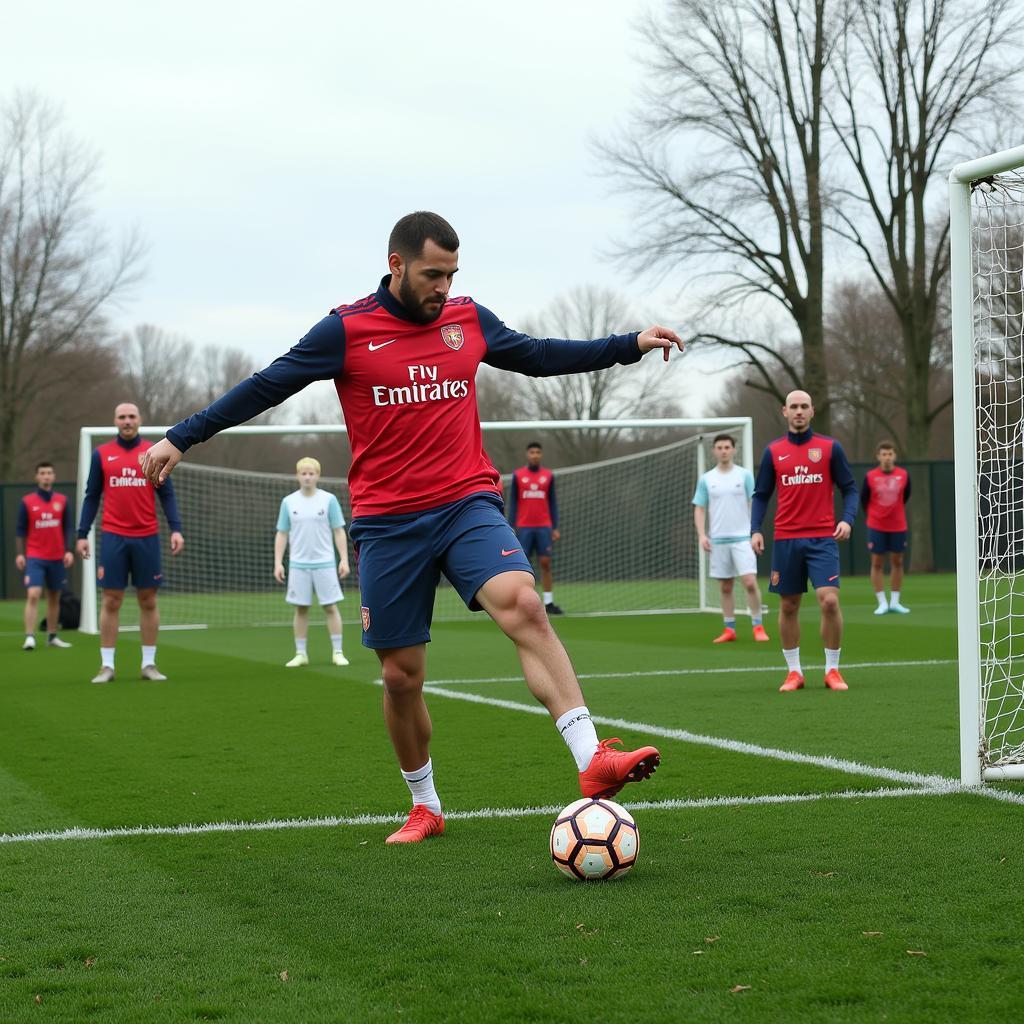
{"x":880,"y":595}
{"x":895,"y":597}
{"x":107,"y":657}
{"x":831,"y":659}
{"x":148,"y":655}
{"x":549,"y":597}
{"x":300,"y":645}
{"x":792,"y":657}
{"x":577,"y":729}
{"x":336,"y":642}
{"x":421,"y":785}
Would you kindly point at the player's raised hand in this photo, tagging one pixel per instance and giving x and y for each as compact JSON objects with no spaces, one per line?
{"x":159,"y":461}
{"x":842,"y":531}
{"x":82,"y":547}
{"x":659,"y":337}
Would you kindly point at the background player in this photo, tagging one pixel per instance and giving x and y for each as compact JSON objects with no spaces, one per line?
{"x":426,"y":499}
{"x":805,"y":466}
{"x":309,"y":521}
{"x":722,"y":504}
{"x":43,"y":546}
{"x":130,"y":542}
{"x":884,"y":496}
{"x":533,"y":511}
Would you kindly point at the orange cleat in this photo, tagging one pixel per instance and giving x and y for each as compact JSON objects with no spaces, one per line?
{"x":760,"y":635}
{"x":422,"y":823}
{"x":609,"y":770}
{"x":728,"y":635}
{"x":834,"y":681}
{"x":794,"y":681}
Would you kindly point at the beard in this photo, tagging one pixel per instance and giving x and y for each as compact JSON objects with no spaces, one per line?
{"x":414,"y":307}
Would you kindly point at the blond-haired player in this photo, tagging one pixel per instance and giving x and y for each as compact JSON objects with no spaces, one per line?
{"x":308,"y":522}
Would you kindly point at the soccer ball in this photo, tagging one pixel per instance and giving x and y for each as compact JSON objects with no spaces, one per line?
{"x":594,"y":839}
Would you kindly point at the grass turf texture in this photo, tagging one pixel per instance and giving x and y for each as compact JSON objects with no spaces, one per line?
{"x":327,"y":923}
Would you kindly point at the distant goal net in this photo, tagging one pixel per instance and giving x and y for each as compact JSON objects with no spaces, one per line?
{"x":987,"y":254}
{"x":624,"y":492}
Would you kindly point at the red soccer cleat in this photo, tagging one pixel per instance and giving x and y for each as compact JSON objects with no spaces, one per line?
{"x":760,"y":635}
{"x":609,"y":770}
{"x":728,"y":635}
{"x":834,"y":681}
{"x":794,"y":681}
{"x":422,"y":823}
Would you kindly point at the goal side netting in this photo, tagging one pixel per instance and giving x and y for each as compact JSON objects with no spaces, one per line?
{"x":628,"y":544}
{"x":987,"y":254}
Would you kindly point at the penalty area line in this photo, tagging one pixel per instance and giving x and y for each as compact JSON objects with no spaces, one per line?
{"x":484,"y":813}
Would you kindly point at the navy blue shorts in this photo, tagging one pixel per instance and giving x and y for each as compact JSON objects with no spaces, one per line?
{"x":536,"y":540}
{"x":46,"y":572}
{"x":800,"y":559}
{"x":121,"y":557}
{"x":881,"y":542}
{"x":400,"y":560}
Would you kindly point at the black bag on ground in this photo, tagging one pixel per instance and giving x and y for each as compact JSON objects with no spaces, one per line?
{"x":70,"y":612}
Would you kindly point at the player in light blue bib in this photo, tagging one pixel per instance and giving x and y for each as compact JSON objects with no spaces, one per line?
{"x":311,"y":525}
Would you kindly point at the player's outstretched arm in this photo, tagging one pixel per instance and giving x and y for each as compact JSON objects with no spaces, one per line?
{"x":159,"y":461}
{"x":659,"y":337}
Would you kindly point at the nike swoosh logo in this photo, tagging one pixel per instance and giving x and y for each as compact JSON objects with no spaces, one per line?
{"x":111,"y":458}
{"x":782,"y":458}
{"x":383,"y":344}
{"x":505,"y":554}
{"x":831,"y":578}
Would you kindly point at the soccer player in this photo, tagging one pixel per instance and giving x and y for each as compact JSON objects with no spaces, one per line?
{"x":309,"y":521}
{"x":43,"y":546}
{"x":805,"y":466}
{"x":721,"y":513}
{"x":533,"y":511}
{"x":426,"y":499}
{"x":884,"y":495}
{"x":130,"y":545}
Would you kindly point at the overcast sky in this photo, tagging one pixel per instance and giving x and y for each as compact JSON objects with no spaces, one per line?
{"x":266,"y":151}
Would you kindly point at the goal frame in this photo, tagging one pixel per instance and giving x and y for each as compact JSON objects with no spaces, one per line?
{"x":965,"y":426}
{"x":89,"y":436}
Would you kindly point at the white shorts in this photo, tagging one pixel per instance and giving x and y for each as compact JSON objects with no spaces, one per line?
{"x":302,"y":583}
{"x":730,"y":560}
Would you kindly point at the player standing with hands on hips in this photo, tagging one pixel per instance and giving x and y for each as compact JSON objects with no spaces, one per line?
{"x":804,"y":467}
{"x":426,"y":498}
{"x":310,"y":523}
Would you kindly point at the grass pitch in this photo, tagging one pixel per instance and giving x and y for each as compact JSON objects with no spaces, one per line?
{"x":803,"y":856}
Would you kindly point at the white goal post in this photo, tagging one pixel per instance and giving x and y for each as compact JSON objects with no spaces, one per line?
{"x":986,"y":198}
{"x":648,"y":472}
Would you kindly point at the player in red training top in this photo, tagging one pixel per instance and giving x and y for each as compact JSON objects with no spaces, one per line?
{"x":129,"y":542}
{"x":884,"y":496}
{"x":44,"y":554}
{"x":805,"y":466}
{"x":533,"y":511}
{"x":426,"y":498}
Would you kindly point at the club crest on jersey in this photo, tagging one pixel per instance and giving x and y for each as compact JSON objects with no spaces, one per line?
{"x":452,"y":336}
{"x":365,"y":612}
{"x":814,"y":454}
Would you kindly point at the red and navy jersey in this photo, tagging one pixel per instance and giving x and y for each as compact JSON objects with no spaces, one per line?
{"x":803,"y":468}
{"x":44,"y":522}
{"x":408,"y":394}
{"x":129,"y":508}
{"x":884,"y":496}
{"x":531,"y":498}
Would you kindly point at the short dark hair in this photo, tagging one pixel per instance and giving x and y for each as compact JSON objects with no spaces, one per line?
{"x":885,"y":445}
{"x":535,"y":444}
{"x":410,"y":234}
{"x":724,"y":437}
{"x":45,"y":465}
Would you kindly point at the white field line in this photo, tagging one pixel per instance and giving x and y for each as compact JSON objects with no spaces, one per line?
{"x":941,"y":783}
{"x":489,"y":813}
{"x":731,"y":670}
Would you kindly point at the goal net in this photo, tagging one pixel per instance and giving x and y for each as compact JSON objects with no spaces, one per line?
{"x":989,"y":426}
{"x":624,"y":497}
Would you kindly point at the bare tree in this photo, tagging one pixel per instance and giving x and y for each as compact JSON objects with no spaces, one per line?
{"x":911,"y":77}
{"x":739,"y":90}
{"x":57,"y":271}
{"x":158,"y":373}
